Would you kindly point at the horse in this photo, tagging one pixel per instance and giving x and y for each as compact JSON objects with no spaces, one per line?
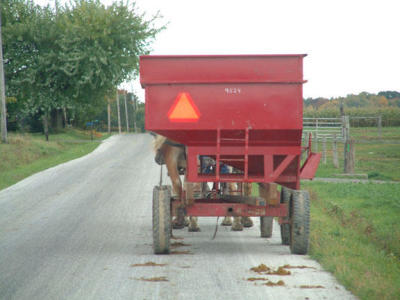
{"x":172,"y":154}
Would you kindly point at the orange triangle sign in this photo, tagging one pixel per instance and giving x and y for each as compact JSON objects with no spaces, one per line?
{"x":183,"y":109}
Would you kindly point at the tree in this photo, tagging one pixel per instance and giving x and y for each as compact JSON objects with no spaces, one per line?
{"x":2,"y":93}
{"x":72,"y":59}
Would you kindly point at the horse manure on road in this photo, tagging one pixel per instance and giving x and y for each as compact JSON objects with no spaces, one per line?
{"x":312,"y":287}
{"x":153,"y":279}
{"x":257,"y":278}
{"x":297,"y":267}
{"x":263,"y":269}
{"x":260,"y":269}
{"x":148,"y":264}
{"x":270,"y":283}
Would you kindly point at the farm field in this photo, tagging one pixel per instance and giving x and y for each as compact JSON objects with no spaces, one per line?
{"x":26,"y":154}
{"x":377,"y":157}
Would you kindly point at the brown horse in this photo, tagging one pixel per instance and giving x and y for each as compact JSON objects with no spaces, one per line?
{"x":172,"y":154}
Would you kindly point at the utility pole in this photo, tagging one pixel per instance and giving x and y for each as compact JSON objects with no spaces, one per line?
{"x":126,"y":113}
{"x":119,"y":114}
{"x":2,"y":93}
{"x":134,"y":104}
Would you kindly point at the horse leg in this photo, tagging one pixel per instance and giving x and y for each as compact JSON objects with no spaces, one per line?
{"x":247,"y":222}
{"x":171,"y":160}
{"x":237,"y":225}
{"x":227,"y":221}
{"x":193,"y":227}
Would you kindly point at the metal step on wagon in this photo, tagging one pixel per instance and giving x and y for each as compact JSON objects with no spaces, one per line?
{"x":241,"y":111}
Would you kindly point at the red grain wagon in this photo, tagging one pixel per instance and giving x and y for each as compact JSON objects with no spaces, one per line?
{"x":244,"y":111}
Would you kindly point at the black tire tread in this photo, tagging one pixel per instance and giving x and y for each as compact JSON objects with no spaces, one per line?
{"x":285,"y":228}
{"x":300,"y":222}
{"x":161,"y":219}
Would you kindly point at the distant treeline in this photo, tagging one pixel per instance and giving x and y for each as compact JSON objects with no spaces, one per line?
{"x":385,"y":104}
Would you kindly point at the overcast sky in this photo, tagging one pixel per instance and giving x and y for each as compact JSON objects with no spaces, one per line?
{"x":352,"y":46}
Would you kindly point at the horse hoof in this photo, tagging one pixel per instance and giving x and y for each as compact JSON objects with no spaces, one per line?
{"x":227,"y":223}
{"x":178,"y":225}
{"x":247,"y":222}
{"x":237,"y":228}
{"x":194,"y":229}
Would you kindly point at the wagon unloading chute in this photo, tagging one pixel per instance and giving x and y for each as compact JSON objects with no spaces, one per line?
{"x":244,"y":111}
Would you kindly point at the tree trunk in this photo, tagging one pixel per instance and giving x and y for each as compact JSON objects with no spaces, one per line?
{"x":2,"y":94}
{"x":109,"y":117}
{"x":119,"y":115}
{"x":65,"y":117}
{"x":45,"y":119}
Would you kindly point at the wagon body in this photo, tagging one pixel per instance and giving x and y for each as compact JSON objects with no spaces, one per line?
{"x":242,"y":110}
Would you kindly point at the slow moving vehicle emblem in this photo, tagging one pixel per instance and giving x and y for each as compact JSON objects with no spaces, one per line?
{"x":183,"y":109}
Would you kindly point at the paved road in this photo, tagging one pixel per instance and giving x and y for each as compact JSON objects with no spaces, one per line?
{"x":75,"y":231}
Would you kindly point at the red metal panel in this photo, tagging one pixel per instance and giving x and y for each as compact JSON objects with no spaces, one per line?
{"x":272,"y":106}
{"x":234,"y":209}
{"x":221,"y":69}
{"x":310,"y":167}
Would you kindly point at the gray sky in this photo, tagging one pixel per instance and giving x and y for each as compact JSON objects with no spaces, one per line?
{"x":352,"y":46}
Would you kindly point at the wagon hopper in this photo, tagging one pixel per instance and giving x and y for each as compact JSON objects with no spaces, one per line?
{"x":242,"y":111}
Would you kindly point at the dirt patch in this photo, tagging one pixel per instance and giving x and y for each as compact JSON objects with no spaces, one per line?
{"x":312,"y":287}
{"x":179,"y":244}
{"x":153,"y":279}
{"x":177,"y":252}
{"x":263,"y":269}
{"x":148,"y":264}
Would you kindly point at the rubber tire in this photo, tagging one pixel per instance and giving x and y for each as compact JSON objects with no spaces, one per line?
{"x":266,"y":225}
{"x":161,"y":219}
{"x":285,"y":228}
{"x":300,"y":222}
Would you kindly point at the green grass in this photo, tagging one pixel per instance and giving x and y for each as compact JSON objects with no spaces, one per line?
{"x":372,"y":133}
{"x":378,"y":158}
{"x":26,"y":154}
{"x":355,"y":234}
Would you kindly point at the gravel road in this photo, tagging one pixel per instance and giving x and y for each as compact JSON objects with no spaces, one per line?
{"x":77,"y":230}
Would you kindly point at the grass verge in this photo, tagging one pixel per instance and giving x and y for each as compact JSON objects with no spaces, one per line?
{"x":355,"y":234}
{"x":26,"y":154}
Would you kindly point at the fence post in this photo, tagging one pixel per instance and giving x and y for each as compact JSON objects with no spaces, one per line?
{"x":305,"y":144}
{"x":335,"y":159}
{"x":349,"y":156}
{"x":324,"y":150}
{"x":380,"y":126}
